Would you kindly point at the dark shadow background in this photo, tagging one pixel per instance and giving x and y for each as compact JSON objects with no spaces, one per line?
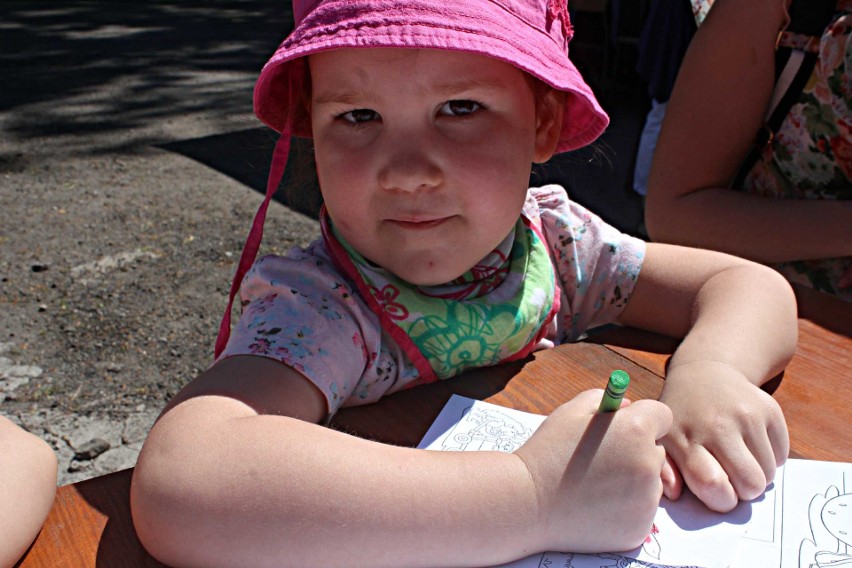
{"x":113,"y":71}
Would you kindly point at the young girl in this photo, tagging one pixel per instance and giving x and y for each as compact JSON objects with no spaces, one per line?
{"x":27,"y":487}
{"x":435,"y":257}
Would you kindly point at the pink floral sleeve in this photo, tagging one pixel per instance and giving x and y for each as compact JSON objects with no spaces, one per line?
{"x":299,"y":310}
{"x":597,"y":265}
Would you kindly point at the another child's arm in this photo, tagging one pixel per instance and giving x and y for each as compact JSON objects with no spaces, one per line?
{"x":237,"y":472}
{"x":27,"y":487}
{"x":722,"y":91}
{"x":738,"y":320}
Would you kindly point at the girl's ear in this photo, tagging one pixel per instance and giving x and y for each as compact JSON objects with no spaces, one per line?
{"x":550,"y":109}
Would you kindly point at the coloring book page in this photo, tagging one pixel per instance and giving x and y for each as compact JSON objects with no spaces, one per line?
{"x":685,"y":532}
{"x":805,"y":521}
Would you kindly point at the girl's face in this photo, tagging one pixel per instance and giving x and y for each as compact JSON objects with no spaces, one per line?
{"x":424,"y":156}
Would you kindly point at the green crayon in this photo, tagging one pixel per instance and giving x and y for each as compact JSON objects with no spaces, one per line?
{"x":615,"y":389}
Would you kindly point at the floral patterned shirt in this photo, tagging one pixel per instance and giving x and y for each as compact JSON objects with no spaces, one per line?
{"x":302,"y":310}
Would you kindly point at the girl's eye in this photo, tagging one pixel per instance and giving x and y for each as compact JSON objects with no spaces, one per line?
{"x":360,"y":116}
{"x":460,"y":108}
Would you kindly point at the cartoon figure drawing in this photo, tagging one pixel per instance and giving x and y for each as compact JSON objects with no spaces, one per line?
{"x":830,"y":517}
{"x":487,"y":430}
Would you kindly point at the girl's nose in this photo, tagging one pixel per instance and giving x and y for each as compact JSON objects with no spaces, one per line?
{"x":409,"y":168}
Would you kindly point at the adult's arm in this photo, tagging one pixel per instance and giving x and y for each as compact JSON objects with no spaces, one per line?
{"x":717,"y":106}
{"x":27,"y":488}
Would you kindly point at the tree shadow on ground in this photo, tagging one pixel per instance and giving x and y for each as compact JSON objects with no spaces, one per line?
{"x":91,"y":68}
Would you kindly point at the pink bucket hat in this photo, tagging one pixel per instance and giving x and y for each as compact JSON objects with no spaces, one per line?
{"x":532,"y":35}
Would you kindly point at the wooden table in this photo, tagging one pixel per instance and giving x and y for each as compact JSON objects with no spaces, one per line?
{"x":90,"y":524}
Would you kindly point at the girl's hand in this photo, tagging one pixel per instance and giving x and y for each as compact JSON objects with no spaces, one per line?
{"x":597,"y":476}
{"x":728,"y":435}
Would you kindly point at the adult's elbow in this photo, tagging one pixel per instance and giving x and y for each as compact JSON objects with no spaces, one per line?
{"x":28,"y":469}
{"x":662,"y":219}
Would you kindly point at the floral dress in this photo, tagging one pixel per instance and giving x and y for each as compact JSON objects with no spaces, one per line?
{"x":304,"y":310}
{"x":811,"y":156}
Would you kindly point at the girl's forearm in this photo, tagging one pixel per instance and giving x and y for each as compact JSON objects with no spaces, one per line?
{"x":27,"y":487}
{"x":758,"y":228}
{"x":277,"y":491}
{"x":745,"y":317}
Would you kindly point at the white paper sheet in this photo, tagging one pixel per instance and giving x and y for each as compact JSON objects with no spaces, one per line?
{"x":805,"y":521}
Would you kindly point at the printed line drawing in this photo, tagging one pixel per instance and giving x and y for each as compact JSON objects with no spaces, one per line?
{"x":487,"y":430}
{"x":830,"y":520}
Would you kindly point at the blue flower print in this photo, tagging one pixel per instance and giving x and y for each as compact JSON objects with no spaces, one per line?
{"x":297,"y":341}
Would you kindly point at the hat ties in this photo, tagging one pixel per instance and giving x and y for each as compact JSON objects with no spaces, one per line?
{"x":558,"y":10}
{"x":255,"y":235}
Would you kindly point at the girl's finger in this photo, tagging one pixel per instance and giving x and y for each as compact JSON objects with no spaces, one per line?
{"x":658,"y":414}
{"x":779,"y":437}
{"x":671,"y":478}
{"x":586,"y":402}
{"x":744,"y":469}
{"x":706,"y":478}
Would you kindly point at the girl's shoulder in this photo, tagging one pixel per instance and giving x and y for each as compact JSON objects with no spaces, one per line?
{"x":551,"y":204}
{"x":547,"y":197}
{"x":308,"y":269}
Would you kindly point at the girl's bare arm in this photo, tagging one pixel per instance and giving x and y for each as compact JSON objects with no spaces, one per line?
{"x":717,"y":106}
{"x":727,"y":309}
{"x":236,"y":472}
{"x":244,"y":476}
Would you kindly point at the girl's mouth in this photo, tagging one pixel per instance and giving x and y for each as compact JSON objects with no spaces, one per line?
{"x":419,"y":224}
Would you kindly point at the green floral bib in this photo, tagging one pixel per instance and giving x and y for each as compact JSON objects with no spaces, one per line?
{"x":498,"y":311}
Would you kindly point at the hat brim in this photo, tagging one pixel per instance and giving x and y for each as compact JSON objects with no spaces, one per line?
{"x":493,"y":31}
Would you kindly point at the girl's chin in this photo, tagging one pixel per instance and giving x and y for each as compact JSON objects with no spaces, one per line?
{"x":424,"y":275}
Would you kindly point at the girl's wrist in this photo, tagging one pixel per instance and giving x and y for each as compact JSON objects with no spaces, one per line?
{"x":695,"y":371}
{"x":537,"y":529}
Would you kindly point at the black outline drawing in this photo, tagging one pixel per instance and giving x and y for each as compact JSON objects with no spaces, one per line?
{"x":830,"y":521}
{"x":486,"y":429}
{"x":566,"y":560}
